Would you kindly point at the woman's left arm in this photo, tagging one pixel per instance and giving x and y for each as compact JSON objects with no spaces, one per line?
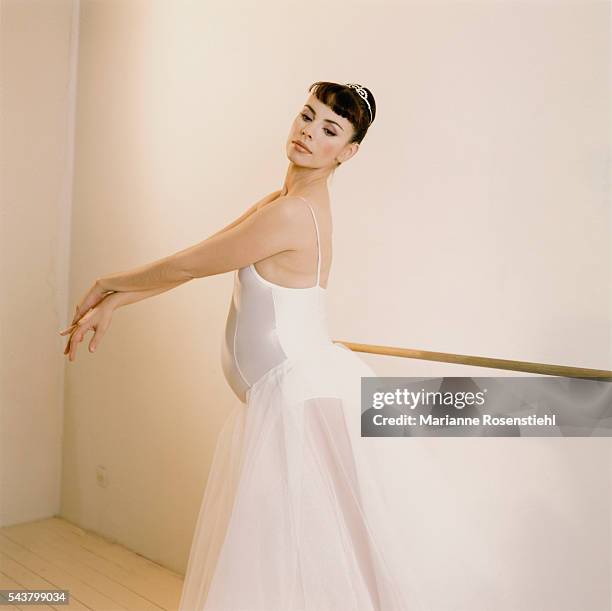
{"x":270,"y":230}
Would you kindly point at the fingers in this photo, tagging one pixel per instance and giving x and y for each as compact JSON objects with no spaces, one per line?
{"x":79,"y":315}
{"x":68,"y":343}
{"x":68,"y":329}
{"x":91,"y":320}
{"x":96,"y":339}
{"x":71,"y":346}
{"x":73,"y":324}
{"x":76,"y":338}
{"x":76,"y":316}
{"x":93,"y":296}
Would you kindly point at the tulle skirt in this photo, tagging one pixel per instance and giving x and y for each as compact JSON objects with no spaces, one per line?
{"x":293,"y":516}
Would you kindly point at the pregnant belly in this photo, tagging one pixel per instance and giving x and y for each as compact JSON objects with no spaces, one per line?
{"x":250,"y":349}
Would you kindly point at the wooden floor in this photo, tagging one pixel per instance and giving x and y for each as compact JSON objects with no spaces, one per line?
{"x":57,"y":555}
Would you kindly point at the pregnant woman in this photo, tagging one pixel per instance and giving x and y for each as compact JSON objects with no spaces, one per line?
{"x":291,"y":517}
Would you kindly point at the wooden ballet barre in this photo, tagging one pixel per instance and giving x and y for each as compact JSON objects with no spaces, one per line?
{"x":482,"y":361}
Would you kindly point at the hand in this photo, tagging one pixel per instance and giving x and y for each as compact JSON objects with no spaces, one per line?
{"x":97,"y":319}
{"x":93,"y":296}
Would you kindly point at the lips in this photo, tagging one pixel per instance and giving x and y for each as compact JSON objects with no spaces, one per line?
{"x":301,"y":146}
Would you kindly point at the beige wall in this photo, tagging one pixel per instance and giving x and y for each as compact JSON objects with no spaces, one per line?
{"x":38,"y":51}
{"x":475,"y":220}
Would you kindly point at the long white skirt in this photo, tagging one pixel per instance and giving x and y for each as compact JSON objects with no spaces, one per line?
{"x":293,"y":516}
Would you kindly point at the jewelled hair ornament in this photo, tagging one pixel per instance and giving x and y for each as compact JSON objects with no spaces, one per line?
{"x":363,"y":94}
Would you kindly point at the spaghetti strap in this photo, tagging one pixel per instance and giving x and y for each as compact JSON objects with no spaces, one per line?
{"x":318,"y":240}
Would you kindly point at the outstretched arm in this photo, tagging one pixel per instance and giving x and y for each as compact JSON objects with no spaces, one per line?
{"x":268,"y":231}
{"x":122,"y":298}
{"x":256,"y":206}
{"x":115,"y":300}
{"x":95,"y":294}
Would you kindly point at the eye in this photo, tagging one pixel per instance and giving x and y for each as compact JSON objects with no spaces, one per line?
{"x":327,"y":131}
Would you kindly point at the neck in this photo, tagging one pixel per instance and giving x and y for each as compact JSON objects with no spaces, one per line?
{"x":300,"y":180}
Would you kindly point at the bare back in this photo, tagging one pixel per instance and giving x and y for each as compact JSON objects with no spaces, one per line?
{"x":298,"y":268}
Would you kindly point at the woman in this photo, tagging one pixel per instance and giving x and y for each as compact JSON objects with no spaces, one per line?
{"x":291,"y":516}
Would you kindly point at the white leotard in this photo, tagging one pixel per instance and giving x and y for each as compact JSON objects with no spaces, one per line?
{"x":268,"y":323}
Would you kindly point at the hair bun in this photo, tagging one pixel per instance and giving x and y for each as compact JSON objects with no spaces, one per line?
{"x":363,"y":94}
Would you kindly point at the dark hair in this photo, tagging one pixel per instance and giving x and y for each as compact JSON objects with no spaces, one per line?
{"x":347,"y":103}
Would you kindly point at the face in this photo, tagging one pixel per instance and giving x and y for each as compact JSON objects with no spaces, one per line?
{"x":325,"y":133}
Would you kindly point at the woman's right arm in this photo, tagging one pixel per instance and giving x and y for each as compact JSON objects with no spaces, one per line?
{"x":120,"y":299}
{"x":271,"y":229}
{"x":262,"y":202}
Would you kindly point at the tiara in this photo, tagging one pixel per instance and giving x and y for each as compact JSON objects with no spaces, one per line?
{"x":363,"y":94}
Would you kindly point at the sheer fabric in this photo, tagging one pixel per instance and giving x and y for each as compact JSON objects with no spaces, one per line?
{"x":293,"y":518}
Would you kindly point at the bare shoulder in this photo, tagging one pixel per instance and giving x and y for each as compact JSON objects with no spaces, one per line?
{"x":291,"y":208}
{"x":291,"y":215}
{"x":266,"y":200}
